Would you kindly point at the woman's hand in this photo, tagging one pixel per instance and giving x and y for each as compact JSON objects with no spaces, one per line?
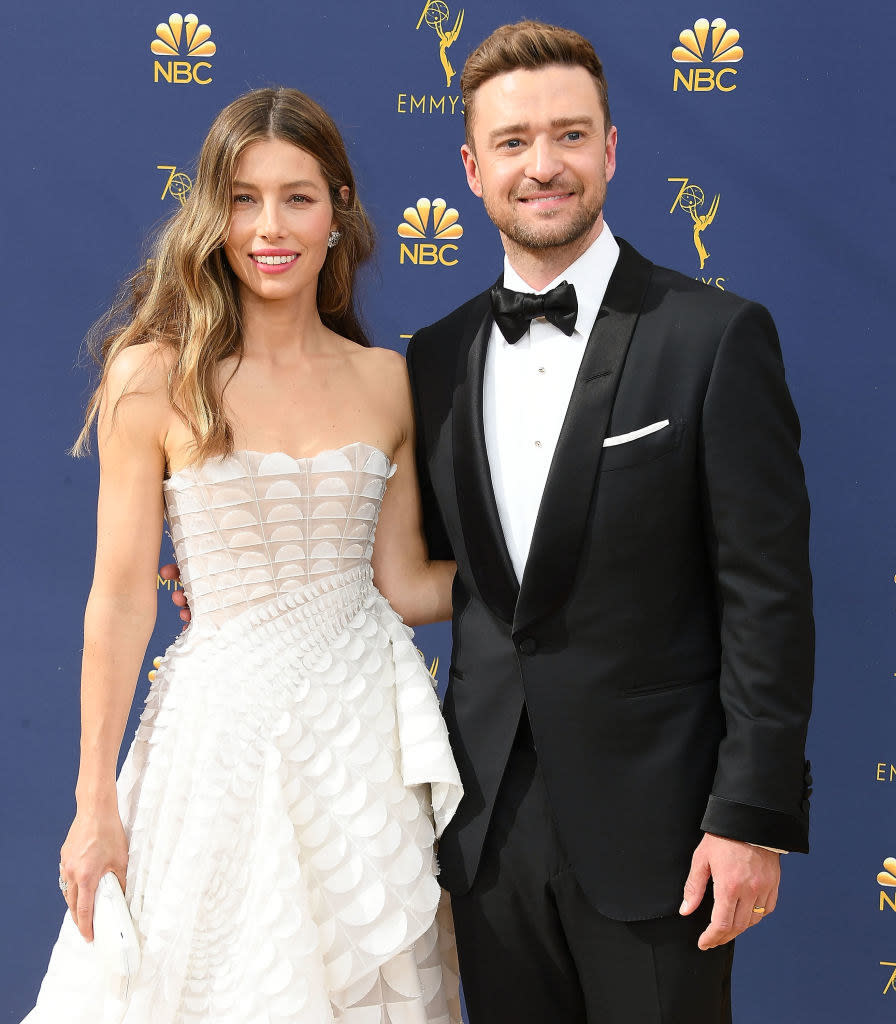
{"x":96,"y":843}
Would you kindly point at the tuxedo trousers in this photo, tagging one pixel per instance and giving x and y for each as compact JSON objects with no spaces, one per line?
{"x":532,"y":949}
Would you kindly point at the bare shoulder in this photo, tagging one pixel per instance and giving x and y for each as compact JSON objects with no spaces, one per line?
{"x":135,"y":408}
{"x":140,"y":370}
{"x":382,"y":378}
{"x":386,"y":375}
{"x":383,"y":367}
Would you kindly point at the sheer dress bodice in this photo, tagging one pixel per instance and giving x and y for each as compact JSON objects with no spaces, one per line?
{"x":253,"y":526}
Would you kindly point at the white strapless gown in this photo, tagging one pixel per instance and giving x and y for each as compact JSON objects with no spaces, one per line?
{"x":289,"y":775}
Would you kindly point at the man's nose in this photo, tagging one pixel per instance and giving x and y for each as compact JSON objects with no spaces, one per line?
{"x":544,"y":161}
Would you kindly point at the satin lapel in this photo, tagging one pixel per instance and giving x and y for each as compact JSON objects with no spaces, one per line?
{"x":484,"y":539}
{"x":565,"y":504}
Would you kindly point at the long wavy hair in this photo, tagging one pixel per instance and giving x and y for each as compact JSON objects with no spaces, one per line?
{"x":186,"y":296}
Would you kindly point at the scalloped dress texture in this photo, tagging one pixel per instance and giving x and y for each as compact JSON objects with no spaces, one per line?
{"x":289,"y":776}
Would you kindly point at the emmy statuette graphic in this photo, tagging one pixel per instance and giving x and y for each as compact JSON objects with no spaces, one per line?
{"x":691,"y":198}
{"x":436,"y":14}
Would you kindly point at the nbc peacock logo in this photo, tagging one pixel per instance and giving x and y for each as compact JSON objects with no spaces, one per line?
{"x":183,"y":37}
{"x":707,"y":43}
{"x":886,"y":879}
{"x":433,"y":219}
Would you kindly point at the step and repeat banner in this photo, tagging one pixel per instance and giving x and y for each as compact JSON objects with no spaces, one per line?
{"x":755,"y":154}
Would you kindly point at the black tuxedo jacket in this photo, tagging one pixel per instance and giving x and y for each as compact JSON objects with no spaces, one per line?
{"x":661,"y":638}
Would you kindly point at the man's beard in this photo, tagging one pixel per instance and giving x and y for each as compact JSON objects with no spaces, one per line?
{"x":535,"y":237}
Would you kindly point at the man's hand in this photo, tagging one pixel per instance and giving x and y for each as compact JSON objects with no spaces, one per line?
{"x":745,"y":884}
{"x":171,"y":572}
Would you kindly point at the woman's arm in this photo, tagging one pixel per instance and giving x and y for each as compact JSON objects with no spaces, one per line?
{"x":120,"y":613}
{"x":417,"y":588}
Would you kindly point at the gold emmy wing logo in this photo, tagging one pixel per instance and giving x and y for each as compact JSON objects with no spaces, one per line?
{"x":692,"y":198}
{"x":434,"y":219}
{"x":178,"y":185}
{"x":698,"y":47}
{"x":436,"y":15}
{"x":181,"y":36}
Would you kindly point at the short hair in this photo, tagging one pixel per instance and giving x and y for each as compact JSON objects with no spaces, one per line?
{"x":528,"y":45}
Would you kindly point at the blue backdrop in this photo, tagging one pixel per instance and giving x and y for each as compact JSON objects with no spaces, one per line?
{"x":764,"y":157}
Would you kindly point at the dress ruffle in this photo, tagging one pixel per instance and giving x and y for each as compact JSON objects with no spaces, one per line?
{"x":279,"y":797}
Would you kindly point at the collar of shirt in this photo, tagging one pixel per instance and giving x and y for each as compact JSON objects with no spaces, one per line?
{"x":590,"y":275}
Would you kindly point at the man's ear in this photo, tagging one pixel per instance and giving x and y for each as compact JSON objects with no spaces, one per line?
{"x":472,"y":168}
{"x":610,"y":153}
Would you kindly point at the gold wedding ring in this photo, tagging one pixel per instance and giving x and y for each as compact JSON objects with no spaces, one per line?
{"x":758,"y":910}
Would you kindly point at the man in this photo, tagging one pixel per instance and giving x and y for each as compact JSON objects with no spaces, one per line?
{"x":615,"y":469}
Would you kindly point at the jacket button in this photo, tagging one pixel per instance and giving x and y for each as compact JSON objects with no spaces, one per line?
{"x":528,"y":645}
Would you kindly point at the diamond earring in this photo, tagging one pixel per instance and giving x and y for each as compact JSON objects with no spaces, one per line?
{"x":333,"y":238}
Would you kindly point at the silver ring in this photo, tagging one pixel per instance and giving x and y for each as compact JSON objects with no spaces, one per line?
{"x":63,"y":885}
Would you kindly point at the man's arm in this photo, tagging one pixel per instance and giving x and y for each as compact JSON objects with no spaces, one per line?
{"x":433,"y":526}
{"x":756,"y":515}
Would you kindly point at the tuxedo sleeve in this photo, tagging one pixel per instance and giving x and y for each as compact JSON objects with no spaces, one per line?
{"x":436,"y":536}
{"x":757,"y":526}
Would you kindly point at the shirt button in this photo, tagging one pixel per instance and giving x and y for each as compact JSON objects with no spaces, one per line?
{"x":538,"y":444}
{"x":528,"y":645}
{"x":541,"y":369}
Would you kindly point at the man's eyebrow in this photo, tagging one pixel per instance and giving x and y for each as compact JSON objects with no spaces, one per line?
{"x":566,"y":122}
{"x":585,"y":120}
{"x":508,"y":129}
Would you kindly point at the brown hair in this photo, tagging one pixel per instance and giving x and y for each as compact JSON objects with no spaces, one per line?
{"x":185,"y":296}
{"x":529,"y":45}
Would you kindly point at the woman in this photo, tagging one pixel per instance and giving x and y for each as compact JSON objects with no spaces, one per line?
{"x":273,"y":823}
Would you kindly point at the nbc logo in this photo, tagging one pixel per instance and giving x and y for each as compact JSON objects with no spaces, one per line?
{"x":183,"y":37}
{"x":436,"y":220}
{"x":886,"y":879}
{"x":698,"y":47}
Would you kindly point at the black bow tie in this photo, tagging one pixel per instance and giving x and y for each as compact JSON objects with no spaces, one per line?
{"x":514,"y":311}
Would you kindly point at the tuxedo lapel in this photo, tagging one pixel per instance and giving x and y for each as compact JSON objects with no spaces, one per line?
{"x":565,"y":504}
{"x":483,"y":536}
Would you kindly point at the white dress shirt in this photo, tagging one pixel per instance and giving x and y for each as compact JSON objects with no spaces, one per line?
{"x":526,"y":393}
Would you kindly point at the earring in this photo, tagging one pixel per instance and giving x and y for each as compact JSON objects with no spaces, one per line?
{"x":333,"y":238}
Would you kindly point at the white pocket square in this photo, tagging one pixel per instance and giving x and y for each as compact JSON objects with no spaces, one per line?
{"x":633,"y":435}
